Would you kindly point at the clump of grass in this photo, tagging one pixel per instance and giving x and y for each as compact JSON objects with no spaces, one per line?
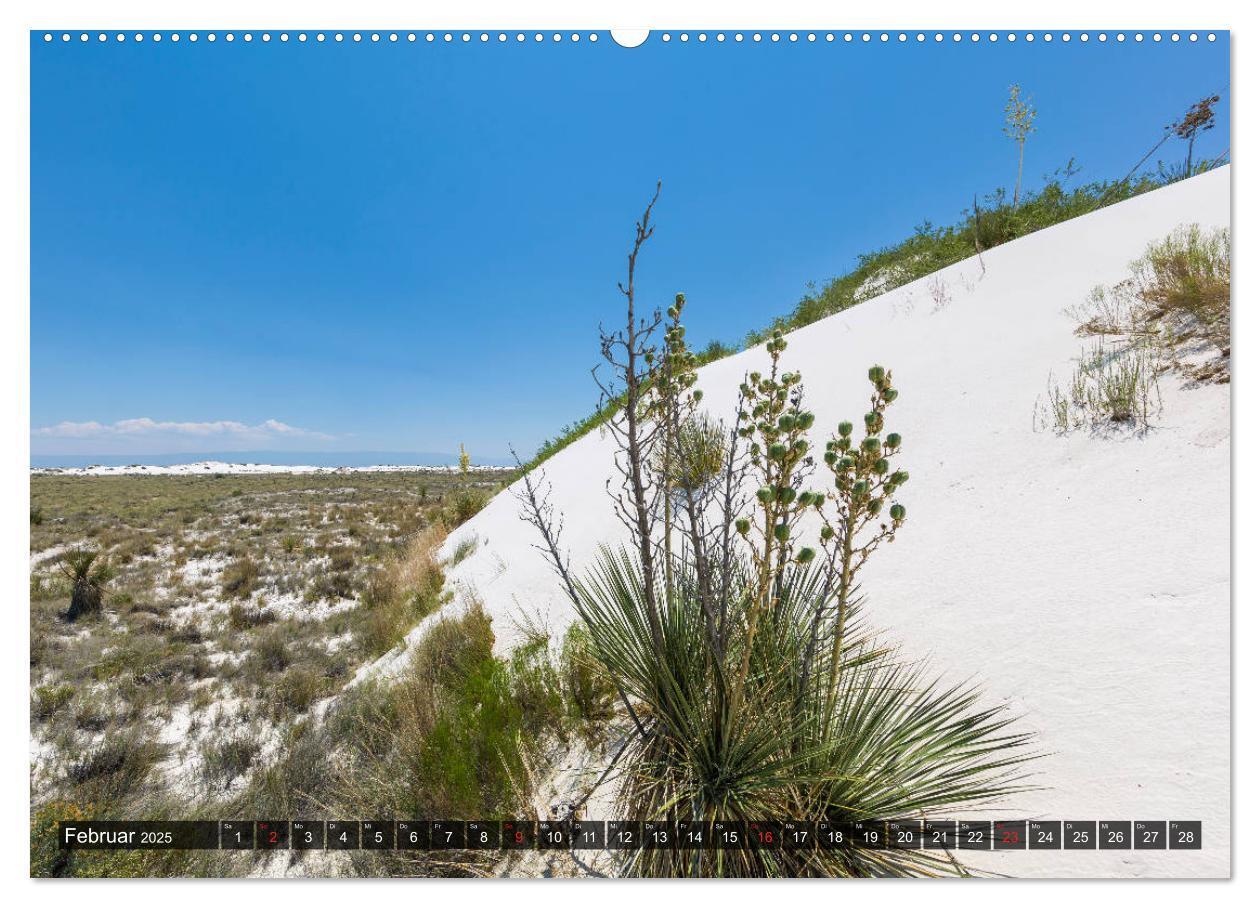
{"x":1172,"y":313}
{"x":330,"y":587}
{"x":244,"y":616}
{"x":340,"y":559}
{"x":226,"y":759}
{"x":452,"y":649}
{"x":1109,"y":386}
{"x":1183,"y":284}
{"x":92,"y":712}
{"x":1188,"y":271}
{"x":297,"y":689}
{"x":463,"y":549}
{"x":240,"y":578}
{"x":270,"y":652}
{"x":113,"y":770}
{"x":405,"y":591}
{"x":49,"y":699}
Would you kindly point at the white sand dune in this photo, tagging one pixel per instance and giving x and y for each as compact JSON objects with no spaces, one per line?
{"x":1085,"y":579}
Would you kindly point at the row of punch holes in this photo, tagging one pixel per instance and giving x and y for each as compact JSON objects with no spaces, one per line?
{"x":630,"y":39}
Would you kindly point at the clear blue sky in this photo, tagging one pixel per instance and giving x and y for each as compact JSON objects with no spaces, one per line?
{"x":401,"y":247}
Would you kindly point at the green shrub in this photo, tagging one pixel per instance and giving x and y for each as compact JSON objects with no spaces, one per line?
{"x":536,"y":687}
{"x":48,"y":699}
{"x":464,"y":504}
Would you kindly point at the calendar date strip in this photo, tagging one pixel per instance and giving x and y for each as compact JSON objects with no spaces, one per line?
{"x":439,"y":835}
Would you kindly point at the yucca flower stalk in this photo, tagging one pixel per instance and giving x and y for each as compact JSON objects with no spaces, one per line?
{"x":710,"y":626}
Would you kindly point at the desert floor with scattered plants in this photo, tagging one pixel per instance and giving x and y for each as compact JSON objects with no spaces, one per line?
{"x":194,"y":648}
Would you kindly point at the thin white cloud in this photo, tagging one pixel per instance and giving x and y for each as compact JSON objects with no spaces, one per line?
{"x":145,"y":428}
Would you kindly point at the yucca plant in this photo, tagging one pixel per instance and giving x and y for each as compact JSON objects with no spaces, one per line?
{"x":885,"y":742}
{"x":89,"y":575}
{"x":739,"y":651}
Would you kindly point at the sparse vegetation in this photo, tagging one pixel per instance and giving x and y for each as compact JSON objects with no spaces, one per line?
{"x":1171,"y":315}
{"x":107,"y":774}
{"x":49,"y":698}
{"x":212,"y":648}
{"x":402,"y":592}
{"x":240,"y":578}
{"x":1111,"y":385}
{"x":464,"y":505}
{"x":225,"y":760}
{"x":455,"y":735}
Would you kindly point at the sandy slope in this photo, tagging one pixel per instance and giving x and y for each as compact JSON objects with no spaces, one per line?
{"x":1085,"y":579}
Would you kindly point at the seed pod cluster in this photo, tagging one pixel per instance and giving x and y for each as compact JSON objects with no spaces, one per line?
{"x":864,"y":477}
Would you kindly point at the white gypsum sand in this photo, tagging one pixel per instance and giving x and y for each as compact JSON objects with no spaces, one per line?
{"x":1085,"y":579}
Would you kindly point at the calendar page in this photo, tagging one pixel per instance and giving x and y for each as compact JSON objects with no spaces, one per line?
{"x":640,"y":453}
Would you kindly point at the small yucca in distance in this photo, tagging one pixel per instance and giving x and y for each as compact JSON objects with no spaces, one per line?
{"x":89,"y":575}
